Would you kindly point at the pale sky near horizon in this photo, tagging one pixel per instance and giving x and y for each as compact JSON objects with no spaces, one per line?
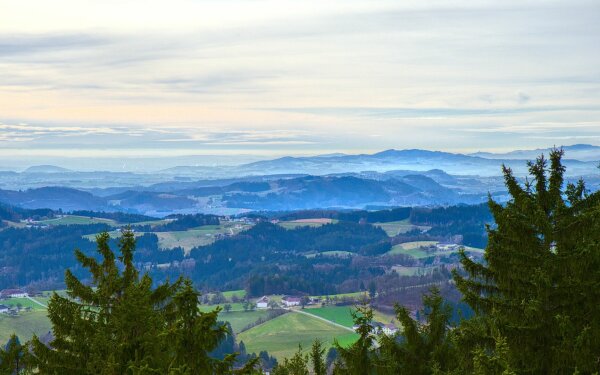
{"x":157,"y":78}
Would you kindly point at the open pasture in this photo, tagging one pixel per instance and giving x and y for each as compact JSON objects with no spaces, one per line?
{"x":25,"y":325}
{"x":77,"y":220}
{"x":281,"y":336}
{"x":292,"y":224}
{"x":394,"y":228}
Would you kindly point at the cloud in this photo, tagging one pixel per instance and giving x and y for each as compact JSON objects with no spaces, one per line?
{"x":432,"y":112}
{"x":523,"y":98}
{"x":346,"y":74}
{"x":139,"y":137}
{"x":26,"y":44}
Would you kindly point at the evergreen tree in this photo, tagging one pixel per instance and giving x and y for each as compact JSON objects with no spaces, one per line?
{"x":13,"y":358}
{"x":317,"y":354}
{"x":297,"y":365}
{"x":121,"y":325}
{"x":358,"y":358}
{"x":423,"y":348}
{"x":539,"y":287}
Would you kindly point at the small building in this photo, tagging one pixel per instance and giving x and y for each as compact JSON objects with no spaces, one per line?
{"x":290,"y":301}
{"x":13,"y":293}
{"x":379,"y":328}
{"x":3,"y":309}
{"x":389,"y":329}
{"x":262,"y":302}
{"x":447,"y":246}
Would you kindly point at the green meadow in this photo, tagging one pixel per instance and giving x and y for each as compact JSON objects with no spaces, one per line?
{"x":282,"y":335}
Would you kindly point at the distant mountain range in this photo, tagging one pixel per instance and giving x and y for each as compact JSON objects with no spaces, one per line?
{"x":387,"y":178}
{"x":348,"y":190}
{"x":581,"y":152}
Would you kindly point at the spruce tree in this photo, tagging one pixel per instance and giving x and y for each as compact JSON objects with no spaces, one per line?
{"x":317,"y":353}
{"x":423,"y":348}
{"x":296,"y":365}
{"x":120,"y":324}
{"x":13,"y":357}
{"x":358,"y":358}
{"x":539,"y":287}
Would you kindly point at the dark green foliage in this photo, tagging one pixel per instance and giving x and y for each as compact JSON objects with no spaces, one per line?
{"x":372,"y":289}
{"x":13,"y":357}
{"x":185,"y":222}
{"x":42,"y":255}
{"x":539,"y":287}
{"x":119,"y":217}
{"x":382,"y":216}
{"x":423,"y":348}
{"x":13,"y":213}
{"x":297,"y":365}
{"x":121,"y":324}
{"x":444,"y":216}
{"x":317,"y":353}
{"x":258,"y":270}
{"x":359,"y":358}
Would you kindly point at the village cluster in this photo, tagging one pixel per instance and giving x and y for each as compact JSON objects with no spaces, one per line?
{"x":9,"y":308}
{"x":265,"y":302}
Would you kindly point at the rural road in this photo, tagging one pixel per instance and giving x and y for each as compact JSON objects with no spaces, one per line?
{"x":323,"y":319}
{"x":36,"y":301}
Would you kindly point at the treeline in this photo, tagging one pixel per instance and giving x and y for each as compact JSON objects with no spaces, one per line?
{"x":277,"y":257}
{"x":381,"y":216}
{"x":119,"y":217}
{"x":445,"y":216}
{"x":185,"y":222}
{"x":38,"y":257}
{"x":463,"y":223}
{"x":12,"y":213}
{"x":355,"y":216}
{"x":266,"y":236}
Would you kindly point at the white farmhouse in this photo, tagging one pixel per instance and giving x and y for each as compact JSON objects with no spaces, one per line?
{"x":262,"y":303}
{"x":13,"y":293}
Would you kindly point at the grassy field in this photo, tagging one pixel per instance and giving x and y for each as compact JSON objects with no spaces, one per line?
{"x":337,"y":314}
{"x":413,"y":249}
{"x":25,"y":325}
{"x":187,"y":239}
{"x":281,"y":336}
{"x":24,"y":302}
{"x":113,"y":234}
{"x":234,"y":307}
{"x":240,"y":319}
{"x":152,"y":223}
{"x":413,"y":271}
{"x":239,"y":293}
{"x":342,"y":295}
{"x":201,"y":236}
{"x":393,"y":228}
{"x":12,"y":224}
{"x":343,"y":315}
{"x":77,"y":220}
{"x":306,"y":223}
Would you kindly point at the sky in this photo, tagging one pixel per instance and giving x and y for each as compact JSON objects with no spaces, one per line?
{"x":133,"y":79}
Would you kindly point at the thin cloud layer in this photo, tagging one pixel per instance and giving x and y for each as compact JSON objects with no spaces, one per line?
{"x":297,"y":77}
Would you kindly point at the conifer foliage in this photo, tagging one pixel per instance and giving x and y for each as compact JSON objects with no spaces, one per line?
{"x":121,"y":324}
{"x":539,"y":287}
{"x":13,"y":357}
